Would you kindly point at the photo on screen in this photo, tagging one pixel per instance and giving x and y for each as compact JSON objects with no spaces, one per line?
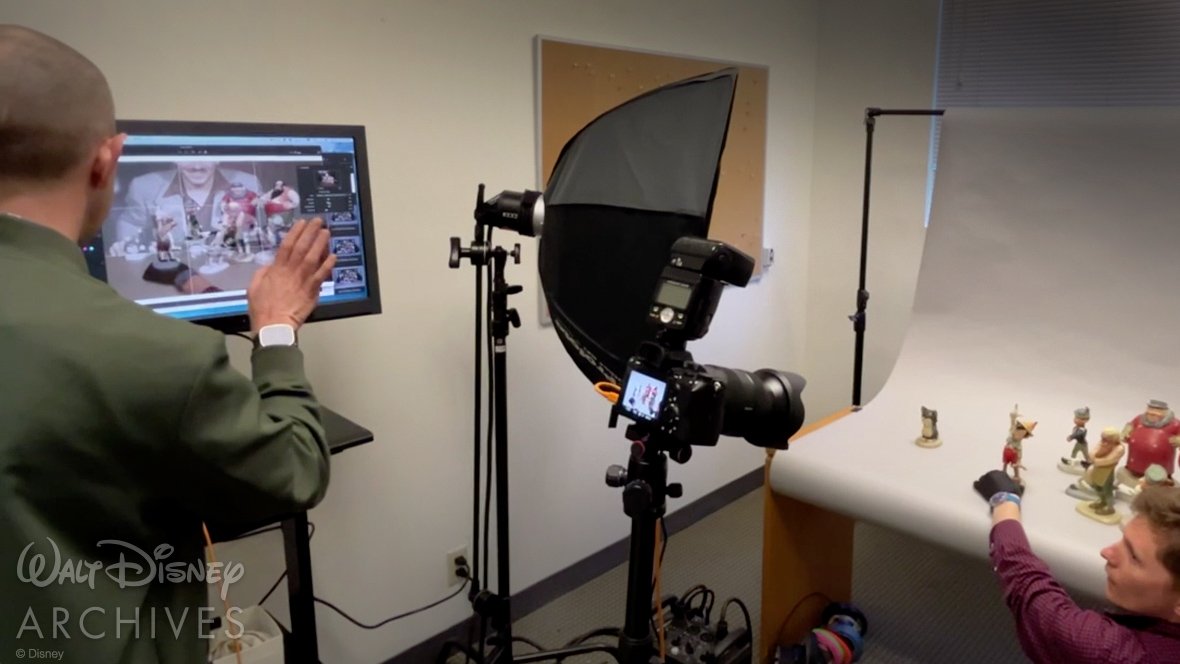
{"x":346,"y":247}
{"x":328,"y":178}
{"x":644,"y":396}
{"x":348,"y":277}
{"x":216,"y":220}
{"x":341,"y":220}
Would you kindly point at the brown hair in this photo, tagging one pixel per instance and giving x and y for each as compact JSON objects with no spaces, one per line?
{"x":1160,"y":505}
{"x":54,"y":106}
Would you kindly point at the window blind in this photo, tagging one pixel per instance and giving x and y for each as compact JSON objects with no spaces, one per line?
{"x":1059,"y":53}
{"x":1055,"y":53}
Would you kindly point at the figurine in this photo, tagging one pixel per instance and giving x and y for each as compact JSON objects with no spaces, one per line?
{"x":929,"y":437}
{"x":194,"y":227}
{"x":164,"y":225}
{"x":216,"y":262}
{"x":1018,"y":430}
{"x":1100,"y":478}
{"x":1155,"y":476}
{"x":165,"y":268}
{"x":1151,"y":438}
{"x":1071,"y":464}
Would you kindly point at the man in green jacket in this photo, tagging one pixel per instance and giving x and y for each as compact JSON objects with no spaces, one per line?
{"x":123,"y":430}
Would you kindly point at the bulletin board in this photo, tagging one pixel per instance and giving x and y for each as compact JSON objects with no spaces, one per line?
{"x":577,"y":82}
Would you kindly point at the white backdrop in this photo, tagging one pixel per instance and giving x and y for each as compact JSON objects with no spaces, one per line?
{"x":1048,"y":281}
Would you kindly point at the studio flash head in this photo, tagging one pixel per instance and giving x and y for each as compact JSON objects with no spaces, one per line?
{"x":522,"y":212}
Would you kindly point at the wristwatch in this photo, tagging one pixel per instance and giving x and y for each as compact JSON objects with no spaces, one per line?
{"x":1003,"y":497}
{"x":276,"y":335}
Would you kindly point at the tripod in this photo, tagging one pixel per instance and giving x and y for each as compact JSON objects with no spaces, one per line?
{"x":645,"y":492}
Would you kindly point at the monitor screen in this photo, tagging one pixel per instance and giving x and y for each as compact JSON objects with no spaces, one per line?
{"x":200,"y":207}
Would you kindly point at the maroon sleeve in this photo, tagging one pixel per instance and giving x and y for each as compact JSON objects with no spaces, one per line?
{"x":1051,"y":627}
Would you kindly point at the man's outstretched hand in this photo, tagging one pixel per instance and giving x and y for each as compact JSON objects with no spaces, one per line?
{"x":286,"y":292}
{"x":997,"y":481}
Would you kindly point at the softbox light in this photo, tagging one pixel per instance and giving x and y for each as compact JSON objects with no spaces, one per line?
{"x":623,"y":190}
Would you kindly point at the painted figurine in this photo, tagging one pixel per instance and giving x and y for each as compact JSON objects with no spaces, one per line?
{"x":1071,"y":464}
{"x":1100,"y":478}
{"x":164,"y":225}
{"x":1151,"y":438}
{"x":1018,"y":430}
{"x":1155,"y":476}
{"x":929,"y":437}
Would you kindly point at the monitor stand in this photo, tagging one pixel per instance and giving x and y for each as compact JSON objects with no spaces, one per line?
{"x":300,"y":642}
{"x":342,"y":432}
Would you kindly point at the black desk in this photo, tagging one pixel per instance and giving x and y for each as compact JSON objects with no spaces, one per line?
{"x":300,"y":644}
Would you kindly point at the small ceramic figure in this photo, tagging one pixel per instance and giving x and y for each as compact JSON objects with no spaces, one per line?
{"x":1018,"y":430}
{"x":1071,"y":464}
{"x":163,"y":232}
{"x":1100,"y":478}
{"x":1151,"y":438}
{"x":194,"y":227}
{"x":216,"y":261}
{"x":929,"y":437}
{"x":1155,"y":476}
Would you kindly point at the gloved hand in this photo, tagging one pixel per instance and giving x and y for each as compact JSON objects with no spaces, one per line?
{"x":997,"y":481}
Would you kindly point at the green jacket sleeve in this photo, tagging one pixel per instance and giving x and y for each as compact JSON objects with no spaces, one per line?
{"x":252,"y":450}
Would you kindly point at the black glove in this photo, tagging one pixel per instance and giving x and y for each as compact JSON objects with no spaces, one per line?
{"x":997,"y":481}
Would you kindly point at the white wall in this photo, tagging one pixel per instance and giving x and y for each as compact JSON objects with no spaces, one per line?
{"x":446,"y":92}
{"x":871,"y":54}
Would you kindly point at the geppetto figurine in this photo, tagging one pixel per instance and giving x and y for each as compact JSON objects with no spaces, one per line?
{"x":1018,"y":430}
{"x":1099,"y":481}
{"x":1071,"y":464}
{"x":929,"y":437}
{"x":1152,"y":439}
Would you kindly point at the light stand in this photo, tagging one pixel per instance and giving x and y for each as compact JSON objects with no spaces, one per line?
{"x":862,"y":295}
{"x":496,"y":607}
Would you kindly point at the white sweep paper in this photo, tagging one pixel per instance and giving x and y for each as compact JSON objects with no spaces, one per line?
{"x":1049,"y":279}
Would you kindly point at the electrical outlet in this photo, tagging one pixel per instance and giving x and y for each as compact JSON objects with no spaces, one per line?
{"x":454,"y":565}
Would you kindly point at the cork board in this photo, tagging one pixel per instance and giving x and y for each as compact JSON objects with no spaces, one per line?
{"x":578,"y":82}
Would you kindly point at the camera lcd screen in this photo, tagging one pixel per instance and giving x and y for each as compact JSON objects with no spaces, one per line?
{"x":643,"y":396}
{"x":674,"y":294}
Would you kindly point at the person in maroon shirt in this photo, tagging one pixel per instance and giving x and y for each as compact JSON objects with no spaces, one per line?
{"x":1142,"y":581}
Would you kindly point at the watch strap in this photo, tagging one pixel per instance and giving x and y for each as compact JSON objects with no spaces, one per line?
{"x":1003,"y":497}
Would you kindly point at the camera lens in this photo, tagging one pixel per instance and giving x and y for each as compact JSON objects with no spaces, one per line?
{"x":765,"y":407}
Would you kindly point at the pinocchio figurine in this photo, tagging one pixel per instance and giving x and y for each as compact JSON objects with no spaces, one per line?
{"x":1018,"y":430}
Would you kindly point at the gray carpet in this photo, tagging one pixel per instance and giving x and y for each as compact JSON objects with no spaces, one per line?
{"x":924,"y":605}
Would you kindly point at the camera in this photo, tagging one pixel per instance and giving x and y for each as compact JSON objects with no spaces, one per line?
{"x":665,"y":393}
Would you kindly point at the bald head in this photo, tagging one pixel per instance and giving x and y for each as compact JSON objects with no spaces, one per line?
{"x":55,"y":107}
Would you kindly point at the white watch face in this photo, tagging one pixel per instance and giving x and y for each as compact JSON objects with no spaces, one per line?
{"x":276,"y":335}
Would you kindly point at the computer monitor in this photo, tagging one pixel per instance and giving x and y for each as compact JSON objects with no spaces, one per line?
{"x":201,"y":206}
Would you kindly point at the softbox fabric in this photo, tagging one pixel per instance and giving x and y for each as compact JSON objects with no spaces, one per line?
{"x":624,"y":189}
